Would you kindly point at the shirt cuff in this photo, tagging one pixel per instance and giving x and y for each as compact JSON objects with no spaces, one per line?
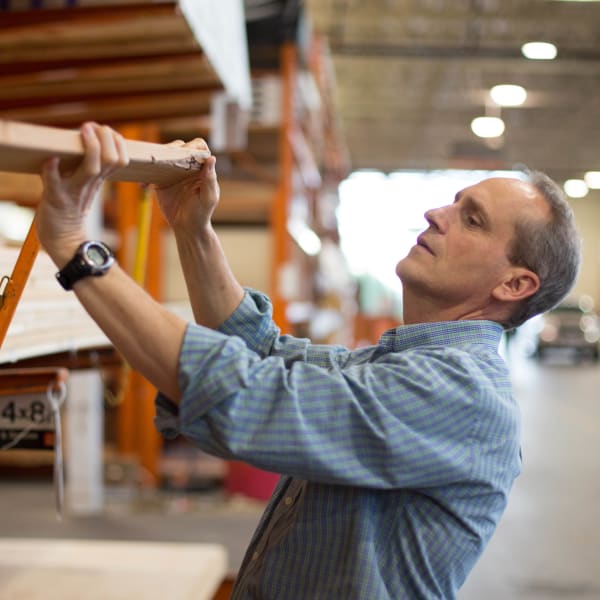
{"x":253,"y":322}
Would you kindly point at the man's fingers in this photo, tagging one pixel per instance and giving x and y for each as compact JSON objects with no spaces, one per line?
{"x":110,"y":150}
{"x":121,"y":146}
{"x":105,"y":151}
{"x":91,"y":164}
{"x":50,"y":172}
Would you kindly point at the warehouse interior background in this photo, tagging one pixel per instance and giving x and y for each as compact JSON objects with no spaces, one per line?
{"x":336,"y":125}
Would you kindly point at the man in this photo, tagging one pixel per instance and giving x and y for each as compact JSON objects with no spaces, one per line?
{"x":397,"y":459}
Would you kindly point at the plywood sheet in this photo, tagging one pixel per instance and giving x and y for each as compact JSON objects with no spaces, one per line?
{"x":24,"y":147}
{"x":109,"y":570}
{"x":47,"y":320}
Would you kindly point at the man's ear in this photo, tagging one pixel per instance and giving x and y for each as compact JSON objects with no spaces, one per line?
{"x":520,"y":283}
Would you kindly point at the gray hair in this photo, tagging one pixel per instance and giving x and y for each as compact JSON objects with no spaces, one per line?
{"x":551,"y":249}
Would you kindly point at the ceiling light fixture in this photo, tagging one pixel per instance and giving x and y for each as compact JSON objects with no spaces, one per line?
{"x":487,"y":127}
{"x":539,"y":50}
{"x":592,"y":178}
{"x":508,"y":95}
{"x":576,"y":188}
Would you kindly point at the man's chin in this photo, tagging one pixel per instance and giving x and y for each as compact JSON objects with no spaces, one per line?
{"x":401,"y":266}
{"x":410,"y":269}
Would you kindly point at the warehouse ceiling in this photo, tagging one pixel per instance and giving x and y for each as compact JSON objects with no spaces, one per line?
{"x":412,"y":74}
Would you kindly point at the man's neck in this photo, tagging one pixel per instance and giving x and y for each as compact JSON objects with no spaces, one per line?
{"x":418,"y":308}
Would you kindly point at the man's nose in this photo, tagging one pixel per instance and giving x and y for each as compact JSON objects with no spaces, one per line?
{"x":438,"y":218}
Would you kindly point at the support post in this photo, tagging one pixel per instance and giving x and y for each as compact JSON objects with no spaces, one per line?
{"x":139,"y":226}
{"x":280,"y":208}
{"x":12,"y":287}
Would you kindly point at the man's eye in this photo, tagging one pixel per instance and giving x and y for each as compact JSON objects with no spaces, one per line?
{"x":473,"y":221}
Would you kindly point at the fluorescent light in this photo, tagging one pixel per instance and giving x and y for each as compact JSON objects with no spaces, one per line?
{"x":576,"y":188}
{"x":592,"y":178}
{"x":488,"y":127}
{"x":539,"y":50}
{"x":508,"y":95}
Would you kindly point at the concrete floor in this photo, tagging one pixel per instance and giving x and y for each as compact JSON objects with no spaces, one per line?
{"x":547,"y":546}
{"x":27,"y":510}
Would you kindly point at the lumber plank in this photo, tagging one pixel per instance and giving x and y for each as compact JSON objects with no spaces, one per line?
{"x":127,"y":76}
{"x":24,"y":148}
{"x":117,"y":109}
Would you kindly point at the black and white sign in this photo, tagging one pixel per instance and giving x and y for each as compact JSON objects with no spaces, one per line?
{"x":29,"y":419}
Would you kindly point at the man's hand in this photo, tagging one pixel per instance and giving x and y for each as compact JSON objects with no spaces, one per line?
{"x":67,"y":198}
{"x":188,"y":205}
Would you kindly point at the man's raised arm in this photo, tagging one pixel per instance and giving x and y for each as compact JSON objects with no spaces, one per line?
{"x":188,"y":207}
{"x":147,"y":335}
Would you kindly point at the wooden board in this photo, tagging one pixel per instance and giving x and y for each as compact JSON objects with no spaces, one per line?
{"x":24,"y":148}
{"x":65,"y":569}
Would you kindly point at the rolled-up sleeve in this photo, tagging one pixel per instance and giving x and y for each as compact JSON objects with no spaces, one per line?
{"x":252,"y":321}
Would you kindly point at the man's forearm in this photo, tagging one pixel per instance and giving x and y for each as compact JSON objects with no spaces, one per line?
{"x":148,"y":336}
{"x":213,"y":289}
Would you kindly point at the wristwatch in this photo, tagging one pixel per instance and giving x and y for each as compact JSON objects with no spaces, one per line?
{"x":91,"y":258}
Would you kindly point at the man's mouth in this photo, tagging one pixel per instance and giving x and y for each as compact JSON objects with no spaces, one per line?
{"x":421,"y":242}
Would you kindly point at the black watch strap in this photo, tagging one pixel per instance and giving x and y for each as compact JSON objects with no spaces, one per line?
{"x":72,"y":272}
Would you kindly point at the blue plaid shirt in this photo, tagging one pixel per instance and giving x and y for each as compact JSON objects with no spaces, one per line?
{"x":396,"y":459}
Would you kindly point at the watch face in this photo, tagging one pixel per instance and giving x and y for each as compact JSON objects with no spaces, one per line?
{"x":97,"y":258}
{"x":96,"y":255}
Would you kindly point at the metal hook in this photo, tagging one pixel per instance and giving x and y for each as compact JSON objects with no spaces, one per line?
{"x":56,"y":392}
{"x":3,"y":285}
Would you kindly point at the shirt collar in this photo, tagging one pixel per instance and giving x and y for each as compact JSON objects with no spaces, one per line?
{"x":443,"y":333}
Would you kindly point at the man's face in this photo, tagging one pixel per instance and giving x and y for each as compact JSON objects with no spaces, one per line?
{"x":461,"y":257}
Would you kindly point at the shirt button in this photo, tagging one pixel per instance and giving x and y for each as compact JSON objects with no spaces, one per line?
{"x":255,"y":556}
{"x":288,"y":500}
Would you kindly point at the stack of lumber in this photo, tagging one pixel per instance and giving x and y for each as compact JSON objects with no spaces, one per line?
{"x":47,"y":320}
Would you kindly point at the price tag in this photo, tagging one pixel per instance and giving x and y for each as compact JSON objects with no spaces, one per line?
{"x":29,"y":418}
